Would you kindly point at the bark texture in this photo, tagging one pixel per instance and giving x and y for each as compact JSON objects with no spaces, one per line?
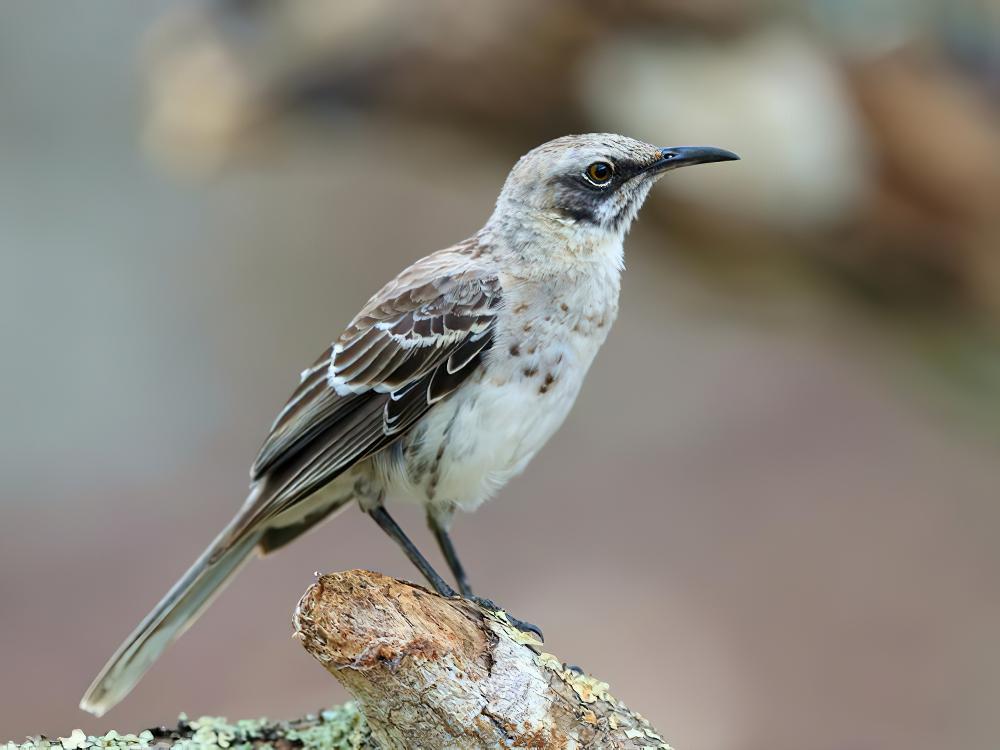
{"x":429,"y":672}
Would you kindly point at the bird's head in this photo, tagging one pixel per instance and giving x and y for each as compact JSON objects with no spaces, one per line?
{"x":596,"y":181}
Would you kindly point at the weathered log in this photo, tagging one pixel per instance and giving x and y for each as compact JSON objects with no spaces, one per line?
{"x":426,"y":672}
{"x":432,"y":672}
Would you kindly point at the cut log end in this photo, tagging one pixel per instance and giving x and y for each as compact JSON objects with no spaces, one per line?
{"x":433,"y":672}
{"x":427,"y":672}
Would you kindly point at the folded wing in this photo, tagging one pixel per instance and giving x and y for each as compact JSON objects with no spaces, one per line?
{"x":414,"y":343}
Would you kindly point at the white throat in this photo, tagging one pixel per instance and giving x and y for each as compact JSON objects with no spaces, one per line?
{"x":537,"y":245}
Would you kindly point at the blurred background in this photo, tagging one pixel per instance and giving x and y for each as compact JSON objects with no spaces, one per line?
{"x":781,"y":534}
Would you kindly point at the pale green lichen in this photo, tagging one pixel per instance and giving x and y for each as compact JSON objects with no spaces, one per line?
{"x":340,"y":728}
{"x":343,"y":728}
{"x":522,"y":637}
{"x":78,"y":740}
{"x":590,"y":691}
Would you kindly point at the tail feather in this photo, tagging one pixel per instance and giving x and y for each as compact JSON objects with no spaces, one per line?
{"x":171,"y":617}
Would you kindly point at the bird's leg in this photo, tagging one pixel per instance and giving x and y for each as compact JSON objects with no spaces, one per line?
{"x":439,"y":526}
{"x":390,"y":527}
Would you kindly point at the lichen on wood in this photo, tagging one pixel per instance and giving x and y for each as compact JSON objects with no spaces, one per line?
{"x":432,"y":672}
{"x":339,"y":728}
{"x":426,"y":672}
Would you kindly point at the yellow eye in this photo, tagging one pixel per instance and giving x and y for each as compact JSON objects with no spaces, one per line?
{"x":600,"y":173}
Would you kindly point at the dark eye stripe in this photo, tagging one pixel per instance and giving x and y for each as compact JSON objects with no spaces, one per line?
{"x":579,"y":212}
{"x":630,"y":168}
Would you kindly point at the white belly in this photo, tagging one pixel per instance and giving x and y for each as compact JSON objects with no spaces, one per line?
{"x":467,"y":447}
{"x":489,"y":432}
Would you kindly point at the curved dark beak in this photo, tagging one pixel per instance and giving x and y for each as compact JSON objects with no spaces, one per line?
{"x":683,"y":156}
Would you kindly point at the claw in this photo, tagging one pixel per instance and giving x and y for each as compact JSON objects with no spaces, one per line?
{"x":524,"y":627}
{"x":527,"y":627}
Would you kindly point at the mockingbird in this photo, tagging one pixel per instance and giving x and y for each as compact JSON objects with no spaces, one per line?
{"x":446,"y":384}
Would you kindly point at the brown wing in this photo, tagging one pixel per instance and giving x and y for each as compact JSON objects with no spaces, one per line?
{"x":413,"y":343}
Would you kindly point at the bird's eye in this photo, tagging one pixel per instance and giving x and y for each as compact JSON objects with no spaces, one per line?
{"x":599,"y":173}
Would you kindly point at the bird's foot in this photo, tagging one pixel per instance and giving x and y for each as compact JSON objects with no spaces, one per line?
{"x":524,"y":627}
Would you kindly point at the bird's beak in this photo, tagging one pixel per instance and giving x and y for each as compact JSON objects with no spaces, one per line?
{"x":683,"y":156}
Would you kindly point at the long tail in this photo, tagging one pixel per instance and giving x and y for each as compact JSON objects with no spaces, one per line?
{"x":171,"y":617}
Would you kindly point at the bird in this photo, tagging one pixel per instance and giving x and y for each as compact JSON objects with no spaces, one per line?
{"x":445,"y":385}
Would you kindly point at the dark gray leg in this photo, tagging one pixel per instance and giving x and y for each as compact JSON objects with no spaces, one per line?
{"x":390,"y":527}
{"x":451,"y":556}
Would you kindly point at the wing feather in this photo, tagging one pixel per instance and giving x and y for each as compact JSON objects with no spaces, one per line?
{"x":465,"y":352}
{"x":358,"y":347}
{"x":413,"y":344}
{"x":380,"y":350}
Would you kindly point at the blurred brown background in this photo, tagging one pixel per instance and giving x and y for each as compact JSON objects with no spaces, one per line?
{"x":781,"y":533}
